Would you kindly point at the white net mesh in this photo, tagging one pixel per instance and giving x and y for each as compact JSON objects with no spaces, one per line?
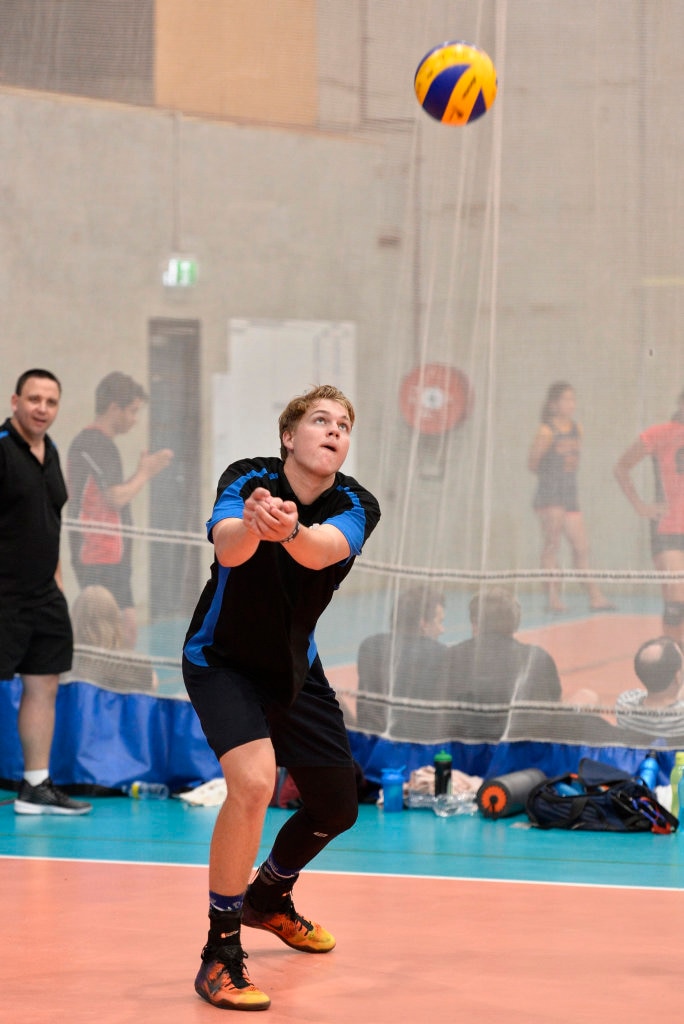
{"x":234,"y":202}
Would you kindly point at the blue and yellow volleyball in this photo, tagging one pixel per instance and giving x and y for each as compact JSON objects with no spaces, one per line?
{"x":456,"y":83}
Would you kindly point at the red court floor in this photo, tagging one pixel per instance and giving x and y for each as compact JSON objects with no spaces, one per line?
{"x":119,"y":943}
{"x":503,"y":939}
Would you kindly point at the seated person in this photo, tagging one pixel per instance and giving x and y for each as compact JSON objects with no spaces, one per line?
{"x":658,"y":709}
{"x":492,"y":666}
{"x":409,"y":661}
{"x":99,"y":654}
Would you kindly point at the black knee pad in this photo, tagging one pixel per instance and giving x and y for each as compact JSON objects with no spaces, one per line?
{"x":673,"y":613}
{"x":329,"y":796}
{"x":329,"y":807}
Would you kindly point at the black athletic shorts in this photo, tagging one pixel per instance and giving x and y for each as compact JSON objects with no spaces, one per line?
{"x":36,"y":640}
{"x":559,"y":492}
{"x":665,"y":541}
{"x":116,"y":578}
{"x":232,"y":711}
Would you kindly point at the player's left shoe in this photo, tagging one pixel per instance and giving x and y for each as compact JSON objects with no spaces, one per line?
{"x":290,"y":927}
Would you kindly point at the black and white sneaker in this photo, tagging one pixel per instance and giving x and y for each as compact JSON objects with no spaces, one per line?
{"x":47,"y":799}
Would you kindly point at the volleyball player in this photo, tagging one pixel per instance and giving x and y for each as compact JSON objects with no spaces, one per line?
{"x":285,"y":533}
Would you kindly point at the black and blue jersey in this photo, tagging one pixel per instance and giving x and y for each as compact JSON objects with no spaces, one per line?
{"x":259,"y":618}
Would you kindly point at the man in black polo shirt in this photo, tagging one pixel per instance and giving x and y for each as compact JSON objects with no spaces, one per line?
{"x":35,"y":630}
{"x":285,"y":532}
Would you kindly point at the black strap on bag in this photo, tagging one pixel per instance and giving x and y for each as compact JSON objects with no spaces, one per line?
{"x":598,"y":798}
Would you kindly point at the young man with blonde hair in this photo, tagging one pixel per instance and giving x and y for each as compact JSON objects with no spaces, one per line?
{"x":285,"y":533}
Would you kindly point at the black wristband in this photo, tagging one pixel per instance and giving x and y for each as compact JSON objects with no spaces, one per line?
{"x":292,"y":535}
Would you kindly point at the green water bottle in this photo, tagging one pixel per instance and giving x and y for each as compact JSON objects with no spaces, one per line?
{"x":442,"y":764}
{"x":676,"y":774}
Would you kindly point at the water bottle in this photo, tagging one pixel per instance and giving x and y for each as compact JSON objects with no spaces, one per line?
{"x":570,"y":788}
{"x":392,"y":789}
{"x":148,"y":790}
{"x":647,"y":772}
{"x":676,"y":774}
{"x":442,"y":763}
{"x":449,"y":804}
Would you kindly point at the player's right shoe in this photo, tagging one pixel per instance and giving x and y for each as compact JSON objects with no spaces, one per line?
{"x":223,"y":980}
{"x":47,"y":799}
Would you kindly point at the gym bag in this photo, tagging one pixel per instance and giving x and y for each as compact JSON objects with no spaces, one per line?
{"x":598,"y":798}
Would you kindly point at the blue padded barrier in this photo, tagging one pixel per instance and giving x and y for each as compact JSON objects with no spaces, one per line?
{"x":108,"y":738}
{"x":488,"y":760}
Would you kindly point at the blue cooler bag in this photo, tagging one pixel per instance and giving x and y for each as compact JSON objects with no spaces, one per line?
{"x":598,"y":798}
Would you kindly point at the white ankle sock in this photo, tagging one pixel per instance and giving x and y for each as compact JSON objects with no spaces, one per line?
{"x":35,"y":777}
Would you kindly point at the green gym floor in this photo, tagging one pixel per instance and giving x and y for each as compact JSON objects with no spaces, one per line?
{"x":104,"y":917}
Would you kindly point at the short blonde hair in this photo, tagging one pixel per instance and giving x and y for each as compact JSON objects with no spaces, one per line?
{"x":299,"y":406}
{"x":96,"y":619}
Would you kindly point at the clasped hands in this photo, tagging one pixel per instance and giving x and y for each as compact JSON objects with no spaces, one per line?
{"x":268,"y":517}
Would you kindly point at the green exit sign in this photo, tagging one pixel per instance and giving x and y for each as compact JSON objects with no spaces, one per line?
{"x":180,"y":272}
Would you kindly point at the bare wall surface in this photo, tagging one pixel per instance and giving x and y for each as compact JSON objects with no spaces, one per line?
{"x":542,"y":242}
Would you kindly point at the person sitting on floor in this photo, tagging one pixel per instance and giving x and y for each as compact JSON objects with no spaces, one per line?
{"x":492,"y":666}
{"x":409,"y":661}
{"x":99,"y":654}
{"x":658,"y":708}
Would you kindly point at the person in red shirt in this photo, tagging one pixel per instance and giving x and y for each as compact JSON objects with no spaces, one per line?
{"x":664,"y":442}
{"x":100,"y":494}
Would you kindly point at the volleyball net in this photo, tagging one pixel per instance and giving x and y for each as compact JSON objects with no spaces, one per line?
{"x":231,"y":203}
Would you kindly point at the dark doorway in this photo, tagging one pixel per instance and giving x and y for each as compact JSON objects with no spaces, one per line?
{"x":174,"y":374}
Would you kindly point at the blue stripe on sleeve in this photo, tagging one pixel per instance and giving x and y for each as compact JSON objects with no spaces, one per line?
{"x":351,"y":522}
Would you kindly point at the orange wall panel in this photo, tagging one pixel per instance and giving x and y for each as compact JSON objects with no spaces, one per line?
{"x":244,"y":59}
